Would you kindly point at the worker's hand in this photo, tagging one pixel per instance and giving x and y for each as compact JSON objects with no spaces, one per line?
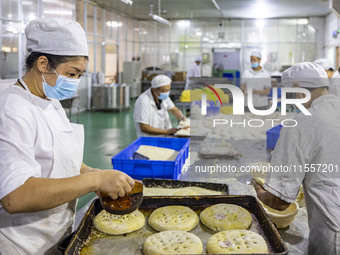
{"x":114,"y":183}
{"x":182,"y":118}
{"x":172,"y":131}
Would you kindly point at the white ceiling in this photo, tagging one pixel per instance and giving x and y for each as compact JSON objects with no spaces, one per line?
{"x":205,"y":9}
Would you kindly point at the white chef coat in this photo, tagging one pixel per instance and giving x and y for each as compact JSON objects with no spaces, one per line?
{"x":36,"y":140}
{"x":316,"y":140}
{"x":334,"y":84}
{"x":258,"y":80}
{"x":147,"y":112}
{"x":194,"y":71}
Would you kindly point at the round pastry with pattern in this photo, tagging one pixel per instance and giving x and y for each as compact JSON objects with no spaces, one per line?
{"x":175,"y":217}
{"x":236,"y":242}
{"x":221,"y":217}
{"x":118,"y":224}
{"x":172,"y":242}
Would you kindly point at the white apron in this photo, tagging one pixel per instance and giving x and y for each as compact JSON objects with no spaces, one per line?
{"x":160,"y":118}
{"x":34,"y":233}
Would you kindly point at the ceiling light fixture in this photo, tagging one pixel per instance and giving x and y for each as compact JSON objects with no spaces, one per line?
{"x":129,"y":2}
{"x":158,"y":17}
{"x":260,"y":23}
{"x":183,"y":23}
{"x":216,"y":5}
{"x":114,"y":24}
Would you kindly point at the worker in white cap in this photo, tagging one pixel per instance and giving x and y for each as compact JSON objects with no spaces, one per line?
{"x":333,"y":75}
{"x":256,"y":79}
{"x":151,"y":115}
{"x":41,"y":152}
{"x":194,"y":71}
{"x":311,"y":151}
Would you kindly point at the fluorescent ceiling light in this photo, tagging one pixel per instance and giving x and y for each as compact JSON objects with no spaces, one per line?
{"x":302,"y":21}
{"x":260,"y":22}
{"x":216,"y":5}
{"x":58,"y":12}
{"x":114,"y":24}
{"x":198,"y":33}
{"x":205,"y":39}
{"x":160,"y":19}
{"x":183,"y":23}
{"x":129,"y":2}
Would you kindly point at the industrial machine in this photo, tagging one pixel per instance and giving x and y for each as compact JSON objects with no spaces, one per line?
{"x":111,"y":97}
{"x":132,"y":75}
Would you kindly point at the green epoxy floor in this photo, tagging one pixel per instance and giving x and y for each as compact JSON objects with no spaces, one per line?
{"x":106,"y":134}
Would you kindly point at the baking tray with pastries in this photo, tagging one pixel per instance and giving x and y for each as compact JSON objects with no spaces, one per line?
{"x":179,"y":225}
{"x":168,"y":187}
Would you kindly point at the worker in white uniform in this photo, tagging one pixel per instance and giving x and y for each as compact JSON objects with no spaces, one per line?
{"x":194,"y":71}
{"x":315,"y":140}
{"x":258,"y":80}
{"x":41,"y":152}
{"x":333,"y":75}
{"x":151,"y":115}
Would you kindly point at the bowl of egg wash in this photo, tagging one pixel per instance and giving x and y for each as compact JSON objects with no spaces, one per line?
{"x":281,"y":219}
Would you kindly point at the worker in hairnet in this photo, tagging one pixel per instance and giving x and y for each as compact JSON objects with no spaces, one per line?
{"x":314,"y":142}
{"x":258,"y":80}
{"x":333,"y":75}
{"x":151,"y":115}
{"x":194,"y":71}
{"x":41,"y":152}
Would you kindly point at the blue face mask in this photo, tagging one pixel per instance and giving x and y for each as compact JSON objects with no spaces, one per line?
{"x":255,"y":64}
{"x":163,"y":96}
{"x":64,"y":87}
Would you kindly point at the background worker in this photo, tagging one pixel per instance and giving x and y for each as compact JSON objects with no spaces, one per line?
{"x":151,"y":115}
{"x":257,"y":79}
{"x":194,"y":71}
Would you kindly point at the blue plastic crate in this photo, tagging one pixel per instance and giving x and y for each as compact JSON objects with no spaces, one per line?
{"x":272,"y":136}
{"x":140,"y":168}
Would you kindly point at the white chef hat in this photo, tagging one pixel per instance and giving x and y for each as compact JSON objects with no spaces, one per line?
{"x":325,"y":63}
{"x":198,"y":58}
{"x":306,"y":75}
{"x":160,"y":81}
{"x":256,"y":53}
{"x":56,"y":36}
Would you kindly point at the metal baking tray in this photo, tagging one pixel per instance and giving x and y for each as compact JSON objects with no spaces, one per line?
{"x":132,"y":243}
{"x":175,"y":184}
